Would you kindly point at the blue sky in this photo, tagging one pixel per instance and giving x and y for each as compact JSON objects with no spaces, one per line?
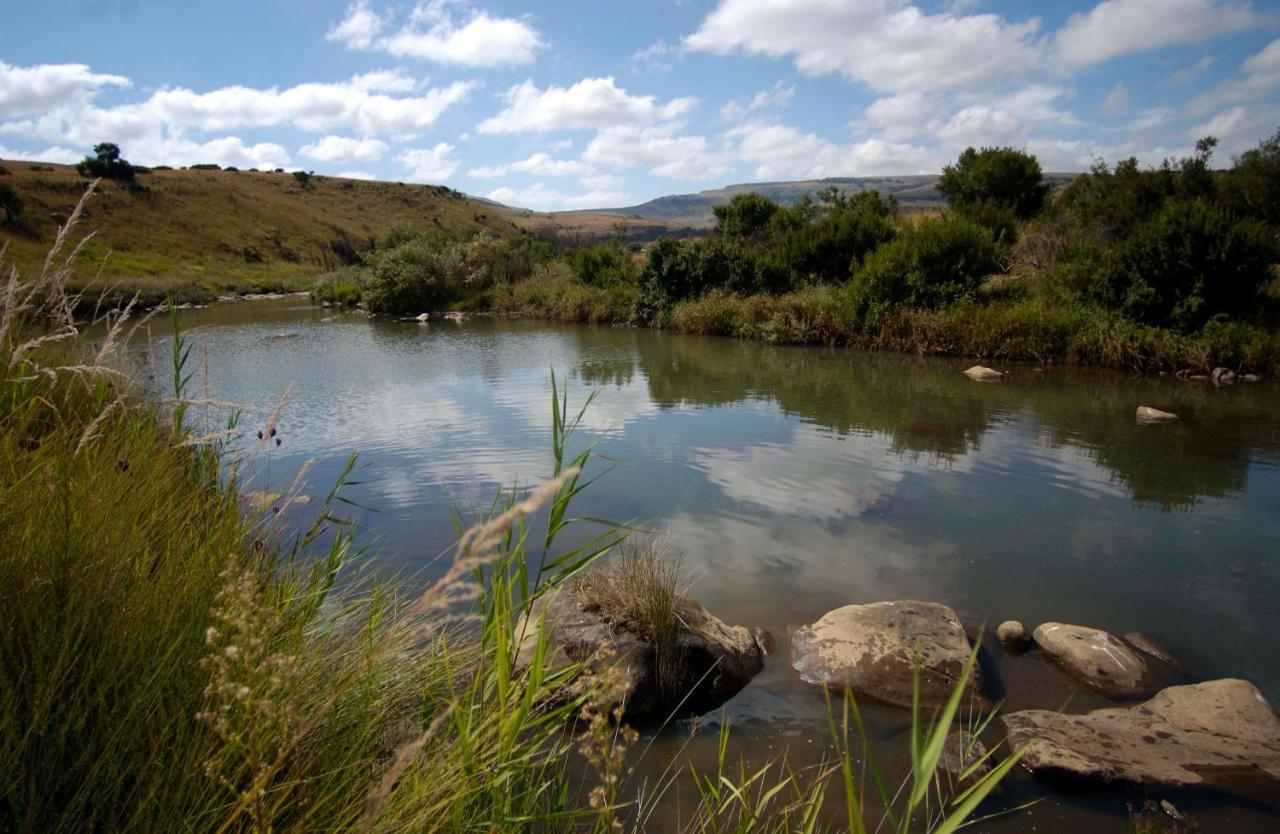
{"x":590,"y":104}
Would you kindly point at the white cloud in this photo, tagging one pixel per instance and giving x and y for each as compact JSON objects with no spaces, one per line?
{"x":659,"y":149}
{"x":776,"y":97}
{"x":357,"y":175}
{"x":602,"y":182}
{"x":657,"y":57}
{"x":43,"y":87}
{"x":224,"y":151}
{"x":487,"y":172}
{"x":1119,"y":27}
{"x":1238,"y":128}
{"x":430,"y":164}
{"x":781,"y":151}
{"x":1258,"y":77}
{"x":543,"y":198}
{"x":981,"y":124}
{"x":542,"y":164}
{"x":432,"y":32}
{"x":1185,"y":76}
{"x":883,"y":43}
{"x":1116,"y":102}
{"x":65,"y":156}
{"x":591,"y":103}
{"x":359,"y":105}
{"x":345,"y":149}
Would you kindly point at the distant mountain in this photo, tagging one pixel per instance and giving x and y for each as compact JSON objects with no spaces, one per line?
{"x":912,"y":192}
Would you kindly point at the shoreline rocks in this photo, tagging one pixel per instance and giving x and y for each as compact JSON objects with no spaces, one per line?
{"x":1097,"y":659}
{"x":1220,"y":734}
{"x":715,"y":660}
{"x":872,"y":650}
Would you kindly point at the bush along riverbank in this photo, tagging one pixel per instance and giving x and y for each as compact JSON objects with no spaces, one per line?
{"x":175,"y":658}
{"x":1163,"y":269}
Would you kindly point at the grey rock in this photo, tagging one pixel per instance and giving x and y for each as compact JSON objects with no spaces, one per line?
{"x":872,"y":650}
{"x":959,"y":752}
{"x":983,"y":374}
{"x":1221,"y":734}
{"x":715,"y":660}
{"x":1097,"y":659}
{"x":1149,"y":416}
{"x":1013,"y":634}
{"x":1147,"y":644}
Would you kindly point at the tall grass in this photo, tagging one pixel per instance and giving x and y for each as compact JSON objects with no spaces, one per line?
{"x":171,"y":662}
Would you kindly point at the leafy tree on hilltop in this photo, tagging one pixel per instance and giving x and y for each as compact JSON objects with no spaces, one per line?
{"x":107,"y":163}
{"x":1001,"y":178}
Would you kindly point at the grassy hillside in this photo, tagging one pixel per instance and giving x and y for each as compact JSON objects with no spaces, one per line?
{"x":201,"y":232}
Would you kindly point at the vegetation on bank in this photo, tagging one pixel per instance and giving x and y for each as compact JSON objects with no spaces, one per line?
{"x":1148,"y":269}
{"x":173,"y":660}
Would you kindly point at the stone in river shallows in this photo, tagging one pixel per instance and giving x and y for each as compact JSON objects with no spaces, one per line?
{"x":872,"y":649}
{"x":1099,"y":660}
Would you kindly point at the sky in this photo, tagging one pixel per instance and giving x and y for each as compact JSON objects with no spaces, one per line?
{"x":578,"y":104}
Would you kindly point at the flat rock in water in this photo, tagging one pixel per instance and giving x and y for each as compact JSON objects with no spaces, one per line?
{"x":1221,"y":734}
{"x":1097,"y":659}
{"x":872,"y":649}
{"x":982,"y":374}
{"x":715,"y":660}
{"x":1147,"y":644}
{"x":1149,"y":416}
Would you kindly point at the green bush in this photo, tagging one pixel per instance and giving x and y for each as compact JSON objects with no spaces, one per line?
{"x":745,"y":215}
{"x":106,"y":162}
{"x":931,"y":264}
{"x":10,"y":203}
{"x":603,"y":264}
{"x":1002,"y":177}
{"x":1253,"y":186}
{"x":822,"y":245}
{"x":1193,"y":261}
{"x":413,"y":277}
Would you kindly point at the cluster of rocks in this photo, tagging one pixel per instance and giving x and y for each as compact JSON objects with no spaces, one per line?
{"x":1220,"y":734}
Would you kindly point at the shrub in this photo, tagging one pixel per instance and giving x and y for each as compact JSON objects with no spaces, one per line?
{"x":303,"y":178}
{"x":1253,"y":185}
{"x":823,"y":245}
{"x":745,"y":215}
{"x":603,"y":264}
{"x":10,"y":203}
{"x":106,"y":162}
{"x":206,"y":166}
{"x":932,"y":264}
{"x":413,"y":276}
{"x":1004,"y":177}
{"x":4,"y":172}
{"x":1191,"y":262}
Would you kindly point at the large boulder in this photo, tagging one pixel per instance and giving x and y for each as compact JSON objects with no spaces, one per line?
{"x":711,"y":663}
{"x":872,"y":650}
{"x":1097,"y":659}
{"x":1221,"y":734}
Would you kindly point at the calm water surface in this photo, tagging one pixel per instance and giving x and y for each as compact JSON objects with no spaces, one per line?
{"x":795,"y":480}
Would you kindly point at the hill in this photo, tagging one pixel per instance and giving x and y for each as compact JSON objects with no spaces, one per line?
{"x":200,"y":232}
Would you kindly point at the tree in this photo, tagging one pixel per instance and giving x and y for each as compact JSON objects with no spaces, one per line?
{"x":1000,"y":178}
{"x":107,"y":163}
{"x":746,"y":215}
{"x":11,"y":203}
{"x":1253,"y":185}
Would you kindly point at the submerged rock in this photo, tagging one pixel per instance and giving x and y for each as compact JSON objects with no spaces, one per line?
{"x":1250,"y":378}
{"x":1149,"y":645}
{"x":960,"y":752}
{"x":714,"y":661}
{"x":1097,"y":659}
{"x":1223,"y":376}
{"x":1221,"y":734}
{"x":872,"y":650}
{"x":1013,"y":635}
{"x":982,"y":374}
{"x":1148,"y":415}
{"x":421,"y":317}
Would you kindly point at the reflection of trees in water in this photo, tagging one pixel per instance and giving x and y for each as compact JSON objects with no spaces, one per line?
{"x":928,"y":407}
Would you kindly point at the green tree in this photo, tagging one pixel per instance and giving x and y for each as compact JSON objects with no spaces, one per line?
{"x":1253,"y":185}
{"x":995,"y":177}
{"x":745,"y":216}
{"x":106,"y":162}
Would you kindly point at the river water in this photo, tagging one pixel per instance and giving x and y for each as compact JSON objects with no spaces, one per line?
{"x":793,"y":480}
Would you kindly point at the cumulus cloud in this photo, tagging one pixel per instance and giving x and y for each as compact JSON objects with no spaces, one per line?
{"x":543,"y":165}
{"x":659,"y":149}
{"x":66,"y":156}
{"x":1119,"y":27}
{"x":357,"y":175}
{"x":42,"y":87}
{"x":780,"y":151}
{"x":430,"y":164}
{"x":590,"y":103}
{"x":882,"y":43}
{"x":345,"y":149}
{"x":433,"y":32}
{"x":487,"y":172}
